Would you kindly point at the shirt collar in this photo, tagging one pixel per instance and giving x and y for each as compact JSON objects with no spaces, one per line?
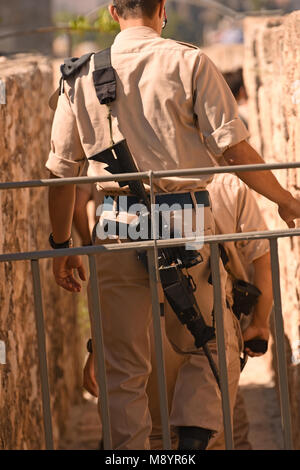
{"x":135,"y":32}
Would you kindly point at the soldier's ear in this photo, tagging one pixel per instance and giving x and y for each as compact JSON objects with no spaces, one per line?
{"x":162,"y":5}
{"x":113,"y":13}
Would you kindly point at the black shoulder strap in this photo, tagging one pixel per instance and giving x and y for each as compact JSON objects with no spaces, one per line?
{"x":223,"y":255}
{"x":224,"y":258}
{"x":104,"y":77}
{"x":73,"y":65}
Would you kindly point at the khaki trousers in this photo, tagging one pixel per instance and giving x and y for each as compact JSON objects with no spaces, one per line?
{"x":127,"y":319}
{"x":173,"y":362}
{"x":241,"y":424}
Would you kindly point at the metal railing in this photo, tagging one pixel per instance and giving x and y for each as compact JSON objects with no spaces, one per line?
{"x":152,"y":246}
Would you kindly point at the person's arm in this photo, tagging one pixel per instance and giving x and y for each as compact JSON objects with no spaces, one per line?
{"x":255,"y":257}
{"x":259,"y":326}
{"x":263,"y":182}
{"x":89,"y":378}
{"x":80,"y":218}
{"x":225,"y":135}
{"x":61,"y":208}
{"x":66,"y":159}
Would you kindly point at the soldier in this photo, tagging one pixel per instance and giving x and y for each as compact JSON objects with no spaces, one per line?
{"x":175,"y":111}
{"x":235,"y":211}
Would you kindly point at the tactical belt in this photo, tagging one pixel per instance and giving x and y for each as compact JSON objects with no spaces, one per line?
{"x":164,"y":200}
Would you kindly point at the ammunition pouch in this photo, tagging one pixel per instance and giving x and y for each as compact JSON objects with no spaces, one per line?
{"x":245,"y":297}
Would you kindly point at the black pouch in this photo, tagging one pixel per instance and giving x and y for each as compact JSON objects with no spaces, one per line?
{"x":245,"y":297}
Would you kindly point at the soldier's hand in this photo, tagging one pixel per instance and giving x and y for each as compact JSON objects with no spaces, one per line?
{"x":89,"y":380}
{"x":255,"y":332}
{"x":64,"y":269}
{"x":290,"y":211}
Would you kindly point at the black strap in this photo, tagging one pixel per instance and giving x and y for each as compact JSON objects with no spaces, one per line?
{"x":104,"y":77}
{"x":73,"y":65}
{"x":223,"y":254}
{"x":102,"y":59}
{"x":224,"y":258}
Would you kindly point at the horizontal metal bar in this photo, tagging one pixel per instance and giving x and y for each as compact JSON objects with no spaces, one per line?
{"x":145,"y":175}
{"x":147,"y":245}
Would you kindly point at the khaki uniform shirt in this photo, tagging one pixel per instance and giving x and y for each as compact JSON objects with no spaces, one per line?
{"x":173,"y":107}
{"x":236,"y":211}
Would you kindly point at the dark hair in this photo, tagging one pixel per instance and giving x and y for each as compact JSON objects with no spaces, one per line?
{"x":135,"y":8}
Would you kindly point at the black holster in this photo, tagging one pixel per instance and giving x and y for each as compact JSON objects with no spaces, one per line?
{"x":245,"y":297}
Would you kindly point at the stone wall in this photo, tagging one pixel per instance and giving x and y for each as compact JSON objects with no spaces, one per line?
{"x":272,"y":77}
{"x":25,"y":122}
{"x":227,"y":57}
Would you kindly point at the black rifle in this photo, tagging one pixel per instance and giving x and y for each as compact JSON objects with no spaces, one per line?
{"x":178,"y":287}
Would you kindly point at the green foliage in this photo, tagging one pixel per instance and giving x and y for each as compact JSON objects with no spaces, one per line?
{"x":63,"y":17}
{"x":258,"y":4}
{"x":80,"y":23}
{"x":104,"y":23}
{"x":101,"y":30}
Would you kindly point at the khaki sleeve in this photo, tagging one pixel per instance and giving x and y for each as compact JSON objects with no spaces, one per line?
{"x":216,"y":108}
{"x":67,"y":157}
{"x":250,"y":219}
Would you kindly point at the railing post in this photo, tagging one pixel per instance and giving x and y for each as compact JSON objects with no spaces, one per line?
{"x":280,"y":349}
{"x":218,"y":310}
{"x":159,"y":354}
{"x":152,"y":256}
{"x":97,"y":332}
{"x":41,"y":339}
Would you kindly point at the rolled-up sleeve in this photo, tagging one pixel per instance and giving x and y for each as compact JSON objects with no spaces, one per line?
{"x":216,"y":108}
{"x":67,"y":157}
